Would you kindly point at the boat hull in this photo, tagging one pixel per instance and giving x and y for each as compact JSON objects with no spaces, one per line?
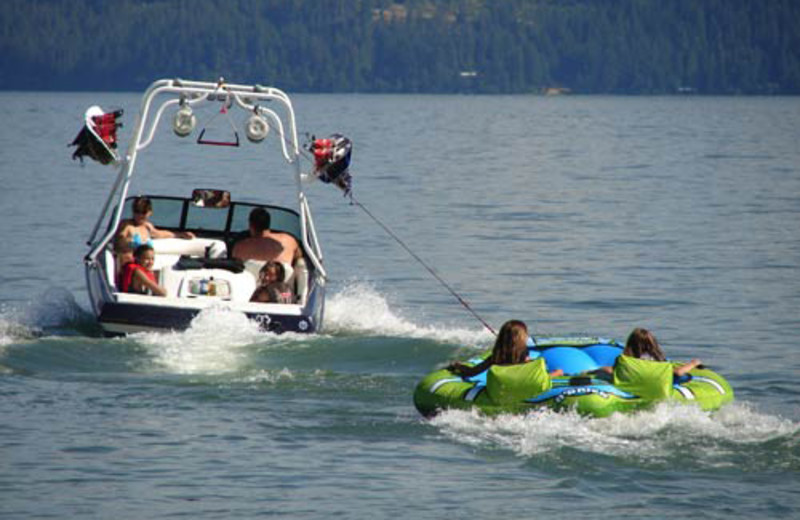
{"x":124,"y":318}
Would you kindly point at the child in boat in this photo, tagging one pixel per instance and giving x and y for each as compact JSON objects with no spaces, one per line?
{"x":642,"y":344}
{"x":510,"y":348}
{"x":138,"y":276}
{"x":272,"y":288}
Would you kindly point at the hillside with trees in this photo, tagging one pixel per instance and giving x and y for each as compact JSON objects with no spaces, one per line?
{"x":475,"y":46}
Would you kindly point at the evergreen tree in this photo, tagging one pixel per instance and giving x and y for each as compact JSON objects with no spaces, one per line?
{"x":588,"y":46}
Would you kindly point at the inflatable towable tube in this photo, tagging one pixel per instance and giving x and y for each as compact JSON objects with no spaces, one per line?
{"x":635,"y":383}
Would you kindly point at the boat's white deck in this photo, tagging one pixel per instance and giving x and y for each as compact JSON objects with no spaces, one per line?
{"x":234,"y":289}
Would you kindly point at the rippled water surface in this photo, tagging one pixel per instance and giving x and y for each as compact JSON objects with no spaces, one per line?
{"x":576,"y":214}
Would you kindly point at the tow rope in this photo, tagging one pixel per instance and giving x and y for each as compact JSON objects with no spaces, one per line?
{"x":330,"y":158}
{"x":416,"y":257}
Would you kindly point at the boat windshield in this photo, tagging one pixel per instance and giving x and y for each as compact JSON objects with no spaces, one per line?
{"x":180,"y":214}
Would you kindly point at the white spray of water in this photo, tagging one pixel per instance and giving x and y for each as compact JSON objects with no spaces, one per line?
{"x":11,"y":330}
{"x":213,"y":344}
{"x":56,"y":307}
{"x":359,"y":308}
{"x":218,"y":339}
{"x":221,"y":341}
{"x":649,"y":435}
{"x":268,"y":377}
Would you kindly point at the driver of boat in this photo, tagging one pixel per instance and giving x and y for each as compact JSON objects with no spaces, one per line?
{"x":139,"y":230}
{"x":510,"y":348}
{"x":265,"y":245}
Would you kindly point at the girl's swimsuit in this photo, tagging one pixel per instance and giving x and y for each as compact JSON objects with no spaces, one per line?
{"x":136,"y":241}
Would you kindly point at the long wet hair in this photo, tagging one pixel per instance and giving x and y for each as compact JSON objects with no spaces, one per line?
{"x":511,"y":345}
{"x":643,"y":344}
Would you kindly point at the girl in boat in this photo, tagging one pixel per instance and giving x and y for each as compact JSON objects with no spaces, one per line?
{"x":138,"y":276}
{"x":272,"y":288}
{"x":139,"y":230}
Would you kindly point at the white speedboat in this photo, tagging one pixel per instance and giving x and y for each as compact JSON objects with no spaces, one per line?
{"x":199,"y":272}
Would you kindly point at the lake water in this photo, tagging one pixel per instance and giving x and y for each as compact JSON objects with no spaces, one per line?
{"x":576,"y":214}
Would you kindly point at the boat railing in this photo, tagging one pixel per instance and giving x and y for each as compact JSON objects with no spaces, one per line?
{"x":309,"y":236}
{"x":241,"y":95}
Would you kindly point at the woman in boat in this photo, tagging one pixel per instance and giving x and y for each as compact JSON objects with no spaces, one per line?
{"x":272,"y":288}
{"x":642,"y":344}
{"x":138,"y":276}
{"x":139,"y":230}
{"x":510,"y":348}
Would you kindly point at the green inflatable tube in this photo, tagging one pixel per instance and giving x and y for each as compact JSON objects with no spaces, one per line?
{"x":635,"y":384}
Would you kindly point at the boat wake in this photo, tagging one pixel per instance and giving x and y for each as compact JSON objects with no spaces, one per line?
{"x":223,"y":341}
{"x":668,"y":435}
{"x":54,"y":312}
{"x":214,"y":343}
{"x":359,"y":309}
{"x":362,"y":333}
{"x":13,"y":330}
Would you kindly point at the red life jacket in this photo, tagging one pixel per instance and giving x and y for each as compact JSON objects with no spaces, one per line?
{"x":332,"y":160}
{"x":126,"y":284}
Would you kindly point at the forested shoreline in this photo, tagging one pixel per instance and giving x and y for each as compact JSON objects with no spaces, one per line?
{"x":472,"y":46}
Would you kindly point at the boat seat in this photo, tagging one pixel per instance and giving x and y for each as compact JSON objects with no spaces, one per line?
{"x":190,"y":246}
{"x":169,"y":250}
{"x":254,"y":267}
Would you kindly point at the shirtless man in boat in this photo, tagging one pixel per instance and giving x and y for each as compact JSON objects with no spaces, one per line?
{"x":266,"y":245}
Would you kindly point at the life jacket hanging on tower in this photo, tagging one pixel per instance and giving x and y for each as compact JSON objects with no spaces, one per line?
{"x":332,"y":160}
{"x":98,"y":137}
